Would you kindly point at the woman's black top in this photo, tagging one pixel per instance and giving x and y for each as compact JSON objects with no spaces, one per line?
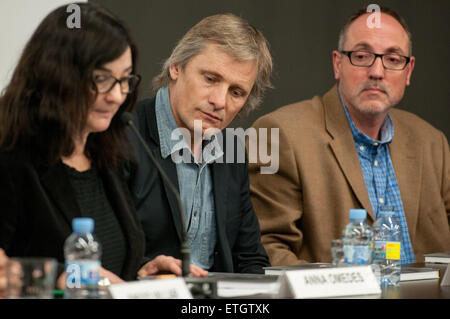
{"x":94,"y":203}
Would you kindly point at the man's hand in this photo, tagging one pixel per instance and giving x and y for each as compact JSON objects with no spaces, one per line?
{"x":3,"y":261}
{"x":164,"y":264}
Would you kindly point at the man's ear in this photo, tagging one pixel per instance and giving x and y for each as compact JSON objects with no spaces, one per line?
{"x":174,"y":71}
{"x":337,"y":64}
{"x":410,"y":68}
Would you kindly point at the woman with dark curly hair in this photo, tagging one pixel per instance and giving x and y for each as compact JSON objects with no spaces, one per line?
{"x":62,"y":143}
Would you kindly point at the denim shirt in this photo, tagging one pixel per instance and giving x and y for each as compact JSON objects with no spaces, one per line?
{"x":379,"y":176}
{"x":195,"y":183}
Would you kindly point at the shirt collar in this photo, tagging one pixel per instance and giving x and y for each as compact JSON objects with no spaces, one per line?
{"x":166,"y":125}
{"x":386,"y":132}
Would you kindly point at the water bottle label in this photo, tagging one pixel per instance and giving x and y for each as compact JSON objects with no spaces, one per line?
{"x":357,"y":255}
{"x":393,"y":250}
{"x":386,"y":250}
{"x":82,"y":273}
{"x":379,"y":250}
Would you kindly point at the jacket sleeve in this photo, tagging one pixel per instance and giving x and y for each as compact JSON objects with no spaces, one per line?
{"x":249,"y":253}
{"x":277,"y":196}
{"x":10,"y":209}
{"x":446,"y":176}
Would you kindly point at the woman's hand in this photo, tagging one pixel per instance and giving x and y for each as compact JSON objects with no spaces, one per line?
{"x":164,"y":264}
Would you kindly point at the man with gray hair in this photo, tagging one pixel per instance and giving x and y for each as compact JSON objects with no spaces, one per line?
{"x":220,"y":68}
{"x":339,"y":152}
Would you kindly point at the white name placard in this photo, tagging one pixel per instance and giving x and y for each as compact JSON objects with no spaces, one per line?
{"x":329,"y":283}
{"x":173,"y":288}
{"x":446,"y":280}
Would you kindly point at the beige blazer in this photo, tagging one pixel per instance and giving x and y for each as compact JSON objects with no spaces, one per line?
{"x":306,"y":203}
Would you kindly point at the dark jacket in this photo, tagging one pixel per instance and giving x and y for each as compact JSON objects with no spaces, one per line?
{"x":238,"y":246}
{"x":38,"y":205}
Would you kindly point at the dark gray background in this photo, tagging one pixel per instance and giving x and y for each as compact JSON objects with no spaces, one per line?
{"x":302,"y":34}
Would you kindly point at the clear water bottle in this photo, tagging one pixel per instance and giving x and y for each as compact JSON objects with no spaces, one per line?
{"x":83,"y":260}
{"x":357,"y":239}
{"x":387,"y":247}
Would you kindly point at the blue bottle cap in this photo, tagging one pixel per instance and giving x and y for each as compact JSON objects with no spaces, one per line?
{"x":83,"y":225}
{"x":358,"y":214}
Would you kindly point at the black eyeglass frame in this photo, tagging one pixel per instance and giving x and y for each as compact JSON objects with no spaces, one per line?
{"x":348,"y":54}
{"x":137,"y":76}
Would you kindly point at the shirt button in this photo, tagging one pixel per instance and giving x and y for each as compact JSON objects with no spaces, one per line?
{"x":195,"y":213}
{"x":381,"y":200}
{"x":362,"y":148}
{"x":375,"y":144}
{"x":375,"y":163}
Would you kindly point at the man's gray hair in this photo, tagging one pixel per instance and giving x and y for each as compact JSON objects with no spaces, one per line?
{"x":237,"y":38}
{"x":360,"y":12}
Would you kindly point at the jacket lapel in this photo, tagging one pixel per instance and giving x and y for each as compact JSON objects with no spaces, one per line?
{"x":118,"y":201}
{"x":56,"y":181}
{"x":167,"y":165}
{"x":406,"y":156}
{"x":121,"y":204}
{"x":171,"y":171}
{"x":219,"y":175}
{"x":343,"y":147}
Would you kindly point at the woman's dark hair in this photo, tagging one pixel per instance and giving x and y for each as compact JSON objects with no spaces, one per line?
{"x":48,"y":99}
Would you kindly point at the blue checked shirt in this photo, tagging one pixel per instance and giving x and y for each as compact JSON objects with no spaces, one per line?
{"x":195,"y":183}
{"x":379,"y":177}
